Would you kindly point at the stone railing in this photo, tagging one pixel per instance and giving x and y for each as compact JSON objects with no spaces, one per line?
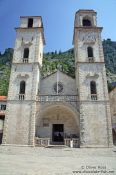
{"x":25,"y":60}
{"x":57,"y":98}
{"x":67,"y":142}
{"x":93,"y":96}
{"x":90,"y":59}
{"x":42,"y":141}
{"x":21,"y":96}
{"x":76,"y":143}
{"x":73,"y":143}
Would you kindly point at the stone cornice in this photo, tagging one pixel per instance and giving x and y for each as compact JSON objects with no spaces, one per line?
{"x":93,"y":101}
{"x":80,"y":62}
{"x":86,"y":11}
{"x":33,"y":63}
{"x":31,"y":17}
{"x":80,"y":101}
{"x":89,"y":28}
{"x":21,"y":101}
{"x":26,"y":28}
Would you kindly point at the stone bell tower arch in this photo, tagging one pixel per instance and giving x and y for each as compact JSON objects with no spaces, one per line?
{"x":95,"y":119}
{"x":24,"y":83}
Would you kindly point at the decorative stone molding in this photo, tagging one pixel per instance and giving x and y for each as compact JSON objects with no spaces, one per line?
{"x":92,"y":75}
{"x":23,"y":75}
{"x":26,"y":43}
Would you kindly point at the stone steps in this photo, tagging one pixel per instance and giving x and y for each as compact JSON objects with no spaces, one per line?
{"x":57,"y":146}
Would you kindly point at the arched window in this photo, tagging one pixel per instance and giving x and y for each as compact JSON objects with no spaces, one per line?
{"x":90,"y":51}
{"x":93,"y":90}
{"x":22,"y":87}
{"x":86,"y":22}
{"x":30,"y":22}
{"x":26,"y":53}
{"x":93,"y":87}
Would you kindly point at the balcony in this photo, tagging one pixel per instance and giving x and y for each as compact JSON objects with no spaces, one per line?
{"x":94,"y":97}
{"x":91,"y":59}
{"x":25,"y":60}
{"x":57,"y":98}
{"x":46,"y":142}
{"x":21,"y":96}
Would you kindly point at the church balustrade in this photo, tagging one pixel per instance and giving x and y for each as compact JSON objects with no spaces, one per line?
{"x":91,"y":59}
{"x":76,"y":143}
{"x":57,"y":98}
{"x":67,"y":142}
{"x":42,"y":141}
{"x":21,"y":96}
{"x":93,"y":96}
{"x":25,"y":60}
{"x":73,"y":143}
{"x":69,"y":99}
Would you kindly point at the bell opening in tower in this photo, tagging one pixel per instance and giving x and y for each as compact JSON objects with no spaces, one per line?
{"x":30,"y":23}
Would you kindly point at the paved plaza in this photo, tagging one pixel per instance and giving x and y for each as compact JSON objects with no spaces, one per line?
{"x":56,"y":161}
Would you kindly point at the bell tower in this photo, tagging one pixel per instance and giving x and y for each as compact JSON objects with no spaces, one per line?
{"x":95,"y":119}
{"x":24,"y":83}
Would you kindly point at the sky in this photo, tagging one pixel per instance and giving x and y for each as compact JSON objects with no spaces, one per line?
{"x":58,"y":19}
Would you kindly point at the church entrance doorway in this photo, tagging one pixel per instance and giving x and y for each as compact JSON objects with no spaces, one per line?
{"x":57,"y":124}
{"x":58,"y":133}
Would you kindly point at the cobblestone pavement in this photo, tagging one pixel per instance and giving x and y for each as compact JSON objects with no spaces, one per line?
{"x":54,"y":161}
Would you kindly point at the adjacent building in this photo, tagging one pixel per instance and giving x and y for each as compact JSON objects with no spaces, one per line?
{"x":112,"y":96}
{"x":3,"y":101}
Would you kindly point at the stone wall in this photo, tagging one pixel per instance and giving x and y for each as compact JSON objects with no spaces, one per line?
{"x":94,"y":128}
{"x":17,"y":123}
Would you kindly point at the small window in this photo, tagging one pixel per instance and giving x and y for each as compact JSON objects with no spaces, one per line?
{"x":90,"y":51}
{"x":26,"y":53}
{"x":58,"y":87}
{"x":3,"y":107}
{"x":22,"y":87}
{"x":93,"y":87}
{"x":93,"y":90}
{"x":30,"y":22}
{"x":86,"y":22}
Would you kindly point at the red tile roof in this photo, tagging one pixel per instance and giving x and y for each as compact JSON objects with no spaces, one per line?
{"x":3,"y":98}
{"x":2,"y":114}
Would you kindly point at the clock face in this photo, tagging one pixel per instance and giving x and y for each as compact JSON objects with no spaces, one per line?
{"x":58,"y":87}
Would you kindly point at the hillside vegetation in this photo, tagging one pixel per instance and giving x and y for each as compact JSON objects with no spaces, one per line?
{"x":5,"y":67}
{"x":64,"y":61}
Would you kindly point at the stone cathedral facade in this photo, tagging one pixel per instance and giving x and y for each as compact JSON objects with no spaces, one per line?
{"x":58,"y":109}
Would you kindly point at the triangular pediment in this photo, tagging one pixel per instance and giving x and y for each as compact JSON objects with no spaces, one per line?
{"x":66,"y":83}
{"x":57,"y":72}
